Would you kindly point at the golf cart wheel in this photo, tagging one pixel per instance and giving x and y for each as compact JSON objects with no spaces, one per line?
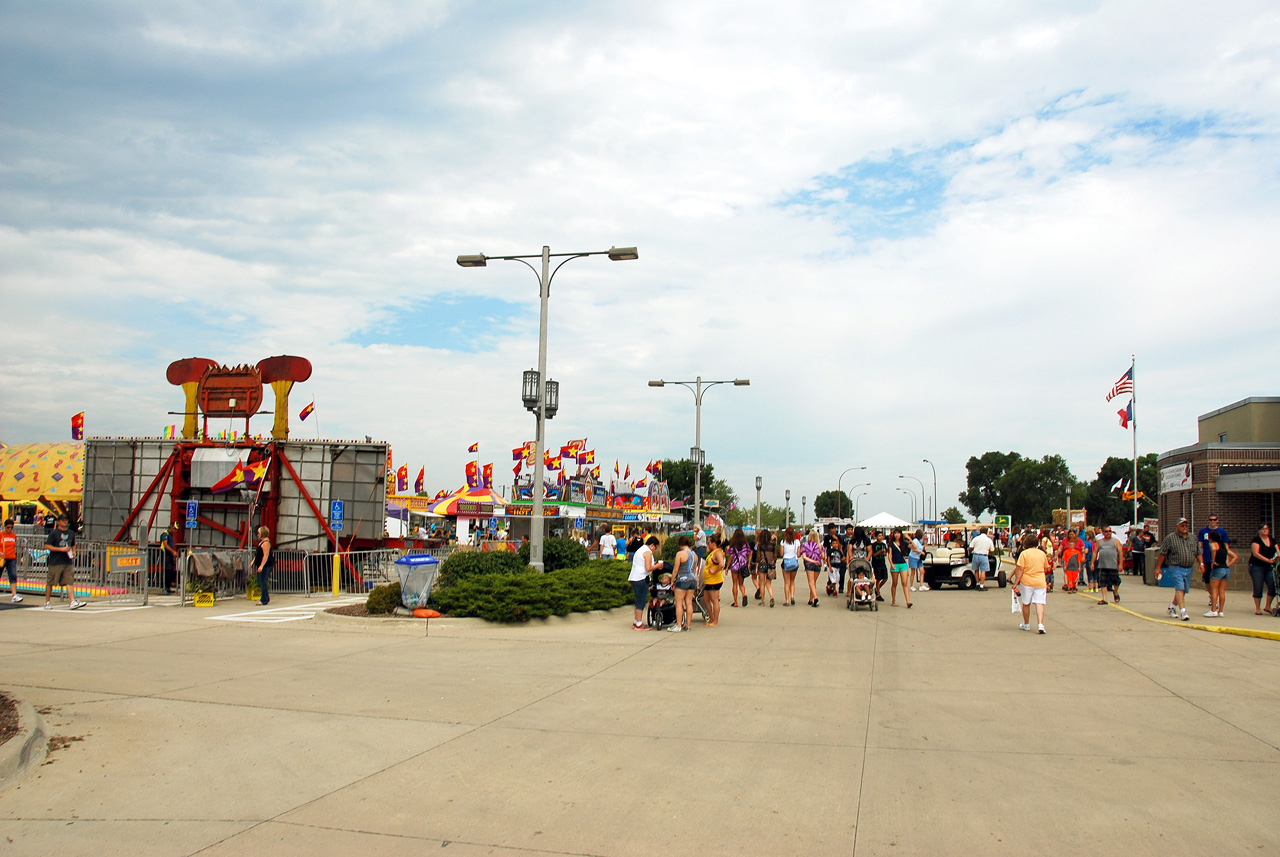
{"x":1003,"y":579}
{"x":968,"y":581}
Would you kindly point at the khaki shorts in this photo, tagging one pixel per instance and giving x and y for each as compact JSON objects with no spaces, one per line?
{"x":60,"y":575}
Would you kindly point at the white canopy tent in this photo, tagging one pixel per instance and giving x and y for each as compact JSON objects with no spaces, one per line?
{"x":884,"y":521}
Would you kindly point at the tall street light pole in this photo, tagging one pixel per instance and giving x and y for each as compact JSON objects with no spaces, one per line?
{"x":758,"y":483}
{"x":699,"y":388}
{"x":479,"y":260}
{"x":786,"y":515}
{"x":921,"y":484}
{"x":840,"y":502}
{"x":855,"y":488}
{"x":912,"y":495}
{"x":857,"y":504}
{"x":934,"y":516}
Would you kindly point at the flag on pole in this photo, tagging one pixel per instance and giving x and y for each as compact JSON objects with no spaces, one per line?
{"x":402,"y":478}
{"x":417,"y":483}
{"x":475,"y":447}
{"x":1126,"y":415}
{"x":486,"y":476}
{"x":473,"y":475}
{"x":234,"y":479}
{"x":587,"y":456}
{"x":643,"y":482}
{"x":616,"y":471}
{"x":77,"y":426}
{"x":1119,"y":483}
{"x":657,"y":468}
{"x":306,"y":412}
{"x":1124,"y":385}
{"x":516,"y":469}
{"x":627,"y":475}
{"x":170,"y":432}
{"x":595,"y":472}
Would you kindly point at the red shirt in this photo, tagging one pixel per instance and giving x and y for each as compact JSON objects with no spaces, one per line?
{"x":9,"y":544}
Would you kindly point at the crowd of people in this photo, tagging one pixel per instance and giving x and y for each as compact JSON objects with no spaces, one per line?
{"x":855,"y":564}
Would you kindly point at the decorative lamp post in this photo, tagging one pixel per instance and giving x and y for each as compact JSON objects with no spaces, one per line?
{"x":546,"y":400}
{"x":697,"y":456}
{"x":840,"y":501}
{"x":856,"y":502}
{"x":934,"y":516}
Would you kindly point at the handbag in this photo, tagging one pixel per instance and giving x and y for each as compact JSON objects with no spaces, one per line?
{"x":790,"y":564}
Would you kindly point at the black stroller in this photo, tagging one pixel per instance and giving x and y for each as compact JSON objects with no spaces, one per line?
{"x":661,"y":612}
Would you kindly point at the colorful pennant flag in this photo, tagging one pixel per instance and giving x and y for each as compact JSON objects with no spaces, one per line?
{"x":1124,"y":385}
{"x":402,"y":478}
{"x":473,"y":476}
{"x":475,"y":447}
{"x":644,"y":481}
{"x":616,"y":471}
{"x":595,"y":472}
{"x":587,"y":457}
{"x":516,"y":469}
{"x":627,"y":475}
{"x":417,"y":483}
{"x":232,"y":480}
{"x":77,"y":426}
{"x":441,"y":494}
{"x":306,"y":412}
{"x":170,"y":432}
{"x":486,"y":476}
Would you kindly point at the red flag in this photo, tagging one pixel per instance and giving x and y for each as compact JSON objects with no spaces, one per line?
{"x":516,"y":469}
{"x":517,"y":454}
{"x":402,"y":478}
{"x":627,"y":475}
{"x":1124,"y":385}
{"x":568,"y":452}
{"x":1126,"y":415}
{"x":616,"y":472}
{"x":657,"y":468}
{"x":475,"y":447}
{"x":642,"y":483}
{"x":588,"y":457}
{"x":473,"y":478}
{"x":253,"y":473}
{"x":595,"y":472}
{"x":77,"y":426}
{"x":417,"y":483}
{"x":306,"y":412}
{"x":486,"y":476}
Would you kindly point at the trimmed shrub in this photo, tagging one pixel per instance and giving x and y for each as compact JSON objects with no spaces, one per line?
{"x":557,"y":554}
{"x":520,"y":597}
{"x":383,"y":599}
{"x":464,"y":564}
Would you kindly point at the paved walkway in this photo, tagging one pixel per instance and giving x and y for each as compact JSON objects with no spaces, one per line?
{"x":938,"y":730}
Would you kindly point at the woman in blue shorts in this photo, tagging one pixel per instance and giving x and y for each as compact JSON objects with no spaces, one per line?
{"x":898,"y":568}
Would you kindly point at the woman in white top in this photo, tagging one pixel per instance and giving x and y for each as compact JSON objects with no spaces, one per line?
{"x":642,"y":565}
{"x":790,"y":565}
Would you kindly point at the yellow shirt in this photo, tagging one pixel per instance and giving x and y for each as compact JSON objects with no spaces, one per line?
{"x":1031,"y":563}
{"x":714,"y":571}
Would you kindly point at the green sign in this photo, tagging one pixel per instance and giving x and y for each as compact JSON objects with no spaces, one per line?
{"x":1002,"y":522}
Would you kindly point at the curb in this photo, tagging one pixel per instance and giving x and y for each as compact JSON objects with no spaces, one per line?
{"x":324,"y":617}
{"x":1216,"y":629}
{"x":25,"y":750}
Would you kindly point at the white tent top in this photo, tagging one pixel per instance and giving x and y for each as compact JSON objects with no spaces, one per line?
{"x":884,"y":521}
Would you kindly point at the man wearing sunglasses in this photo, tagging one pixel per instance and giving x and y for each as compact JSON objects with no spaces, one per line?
{"x":1203,"y":538}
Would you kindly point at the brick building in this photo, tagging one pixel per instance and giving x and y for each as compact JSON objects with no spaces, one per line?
{"x":1234,"y":474}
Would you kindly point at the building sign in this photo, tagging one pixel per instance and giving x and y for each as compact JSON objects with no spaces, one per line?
{"x":527,"y":511}
{"x":475,"y":510}
{"x":1001,"y":522}
{"x":1175,"y":478}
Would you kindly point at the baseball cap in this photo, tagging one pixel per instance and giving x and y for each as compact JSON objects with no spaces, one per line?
{"x":1183,"y":521}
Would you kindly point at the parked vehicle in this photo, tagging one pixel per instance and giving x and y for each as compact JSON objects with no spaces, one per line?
{"x":951,"y":566}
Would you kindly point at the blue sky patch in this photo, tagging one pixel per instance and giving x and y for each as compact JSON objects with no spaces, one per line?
{"x":464,"y":323}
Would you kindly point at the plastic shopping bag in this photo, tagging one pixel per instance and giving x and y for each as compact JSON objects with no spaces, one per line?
{"x":1015,"y":605}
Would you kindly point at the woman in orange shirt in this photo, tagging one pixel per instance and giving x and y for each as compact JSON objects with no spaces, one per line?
{"x":1029,"y":582}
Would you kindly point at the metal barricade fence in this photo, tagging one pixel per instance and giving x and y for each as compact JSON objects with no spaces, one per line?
{"x":222,"y":572}
{"x":360,"y":571}
{"x":102,"y":571}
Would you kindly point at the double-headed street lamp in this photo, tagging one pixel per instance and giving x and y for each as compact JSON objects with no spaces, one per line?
{"x":840,"y":501}
{"x":539,"y":401}
{"x":912,"y":495}
{"x":698,"y":387}
{"x":856,"y":502}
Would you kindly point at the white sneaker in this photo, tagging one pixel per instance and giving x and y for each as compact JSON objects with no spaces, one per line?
{"x":76,"y":605}
{"x":48,"y":606}
{"x":1173,"y":611}
{"x":1210,"y":615}
{"x":675,"y":629}
{"x":913,"y":589}
{"x":1186,"y":617}
{"x":1023,"y":627}
{"x":924,"y":587}
{"x":17,"y":599}
{"x":1041,"y":629}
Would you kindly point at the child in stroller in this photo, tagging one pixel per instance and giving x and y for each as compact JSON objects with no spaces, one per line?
{"x":862,"y":591}
{"x":662,"y":600}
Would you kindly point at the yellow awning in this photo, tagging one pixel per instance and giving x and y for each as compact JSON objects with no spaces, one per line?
{"x":52,"y":471}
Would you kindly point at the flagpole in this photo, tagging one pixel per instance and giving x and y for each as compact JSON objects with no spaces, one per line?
{"x":1133,"y":426}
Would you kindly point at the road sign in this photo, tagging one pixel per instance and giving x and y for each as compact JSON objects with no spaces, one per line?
{"x":1001,"y":522}
{"x":335,"y":512}
{"x":578,"y":522}
{"x":193,"y":512}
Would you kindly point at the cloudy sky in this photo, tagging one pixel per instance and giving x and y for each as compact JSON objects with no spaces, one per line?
{"x":922,"y":229}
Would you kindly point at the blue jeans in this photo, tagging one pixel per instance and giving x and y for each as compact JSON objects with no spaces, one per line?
{"x":262,"y":585}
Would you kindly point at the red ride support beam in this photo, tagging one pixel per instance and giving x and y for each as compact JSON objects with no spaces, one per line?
{"x":319,"y":517}
{"x":133,"y":513}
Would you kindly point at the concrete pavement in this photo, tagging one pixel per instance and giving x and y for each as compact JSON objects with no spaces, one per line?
{"x":941,"y":730}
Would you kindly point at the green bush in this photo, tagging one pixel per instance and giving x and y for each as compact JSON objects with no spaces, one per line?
{"x":601,"y":585}
{"x":383,"y":599}
{"x":464,"y":564}
{"x":557,"y":554}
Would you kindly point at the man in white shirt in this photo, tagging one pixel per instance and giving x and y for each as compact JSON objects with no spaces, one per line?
{"x":642,"y":565}
{"x":982,"y":547}
{"x":608,"y":545}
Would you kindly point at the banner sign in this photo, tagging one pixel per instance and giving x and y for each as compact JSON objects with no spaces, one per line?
{"x":1175,"y":478}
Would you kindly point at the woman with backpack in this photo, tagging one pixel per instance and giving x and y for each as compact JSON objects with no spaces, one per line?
{"x":739,"y":562}
{"x":766,"y":554}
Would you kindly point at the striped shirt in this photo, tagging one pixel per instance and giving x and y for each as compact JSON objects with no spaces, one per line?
{"x":1179,"y":550}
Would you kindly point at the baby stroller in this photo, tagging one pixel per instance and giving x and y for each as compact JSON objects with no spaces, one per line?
{"x":862,"y":587}
{"x":662,"y":599}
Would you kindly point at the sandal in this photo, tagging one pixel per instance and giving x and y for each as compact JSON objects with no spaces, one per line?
{"x":770,"y":600}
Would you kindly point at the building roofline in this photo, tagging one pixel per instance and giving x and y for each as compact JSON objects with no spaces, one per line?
{"x":1252,"y":400}
{"x":1204,"y":447}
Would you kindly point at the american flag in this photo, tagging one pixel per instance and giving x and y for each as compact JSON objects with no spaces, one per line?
{"x":1124,"y":385}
